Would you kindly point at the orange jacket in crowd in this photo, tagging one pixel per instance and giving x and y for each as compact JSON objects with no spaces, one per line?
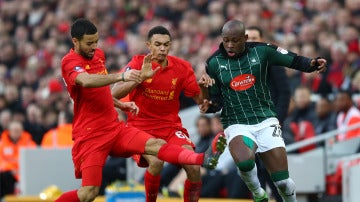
{"x":60,"y":137}
{"x":344,"y":120}
{"x":9,"y":151}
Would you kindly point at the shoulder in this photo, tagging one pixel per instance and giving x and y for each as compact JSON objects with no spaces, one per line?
{"x":135,"y":62}
{"x":70,"y":57}
{"x":261,"y":45}
{"x":178,"y":61}
{"x":99,"y":53}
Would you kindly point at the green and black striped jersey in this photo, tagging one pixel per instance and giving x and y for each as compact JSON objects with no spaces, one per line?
{"x":241,"y":83}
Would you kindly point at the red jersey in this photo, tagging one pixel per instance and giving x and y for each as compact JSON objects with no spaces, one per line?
{"x":158,"y":97}
{"x":94,"y":110}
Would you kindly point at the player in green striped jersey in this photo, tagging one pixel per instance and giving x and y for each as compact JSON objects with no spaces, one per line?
{"x":240,"y":70}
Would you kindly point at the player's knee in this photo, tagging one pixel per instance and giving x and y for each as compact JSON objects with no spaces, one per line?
{"x":88,"y":193}
{"x":192,"y":171}
{"x":153,"y":145}
{"x":156,"y":163}
{"x":242,"y":149}
{"x":284,"y":183}
{"x":246,"y":166}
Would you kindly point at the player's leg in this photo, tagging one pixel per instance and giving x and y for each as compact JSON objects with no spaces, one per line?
{"x":89,"y":189}
{"x":192,"y":185}
{"x":138,"y":142}
{"x":276,"y":163}
{"x":273,"y":154}
{"x":89,"y":158}
{"x":242,"y":147}
{"x":152,"y":177}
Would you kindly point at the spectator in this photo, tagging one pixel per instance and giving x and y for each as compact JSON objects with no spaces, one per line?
{"x":11,"y":141}
{"x":348,"y":115}
{"x":5,"y":119}
{"x":325,"y":119}
{"x":216,"y":125}
{"x":299,"y":124}
{"x":61,"y":136}
{"x":34,"y":122}
{"x":304,"y":109}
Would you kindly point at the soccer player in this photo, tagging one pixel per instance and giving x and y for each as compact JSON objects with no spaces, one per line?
{"x":240,"y":71}
{"x":97,"y":131}
{"x":280,"y":95}
{"x":158,"y":99}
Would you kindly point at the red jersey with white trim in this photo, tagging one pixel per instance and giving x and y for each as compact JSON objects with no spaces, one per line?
{"x":158,"y":97}
{"x":94,"y":110}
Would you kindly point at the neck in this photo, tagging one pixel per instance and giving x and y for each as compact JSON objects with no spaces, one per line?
{"x":163,"y":63}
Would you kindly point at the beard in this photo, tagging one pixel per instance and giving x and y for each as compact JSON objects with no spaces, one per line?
{"x":87,"y":55}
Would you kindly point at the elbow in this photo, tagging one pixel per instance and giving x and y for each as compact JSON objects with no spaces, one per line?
{"x":85,"y":84}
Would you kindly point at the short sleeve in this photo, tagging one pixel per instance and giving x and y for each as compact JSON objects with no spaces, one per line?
{"x":191,"y":87}
{"x":71,"y":67}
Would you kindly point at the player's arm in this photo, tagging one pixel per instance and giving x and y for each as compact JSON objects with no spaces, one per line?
{"x":121,"y":89}
{"x":204,"y":82}
{"x":282,"y":57}
{"x":98,"y":80}
{"x":212,"y":97}
{"x":126,"y":106}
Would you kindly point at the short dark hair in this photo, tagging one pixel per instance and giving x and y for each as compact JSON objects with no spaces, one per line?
{"x":257,"y":29}
{"x":349,"y":93}
{"x":158,"y":30}
{"x":81,"y":27}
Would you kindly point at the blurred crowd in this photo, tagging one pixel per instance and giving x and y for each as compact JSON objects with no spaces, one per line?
{"x":34,"y":36}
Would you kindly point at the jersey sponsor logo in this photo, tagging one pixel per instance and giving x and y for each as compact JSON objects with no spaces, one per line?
{"x":79,"y":69}
{"x":242,"y":82}
{"x":282,"y":51}
{"x":87,"y":67}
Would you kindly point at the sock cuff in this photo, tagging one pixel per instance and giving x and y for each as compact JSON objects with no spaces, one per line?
{"x":246,"y":166}
{"x":152,"y":177}
{"x":280,"y":175}
{"x":193,"y":184}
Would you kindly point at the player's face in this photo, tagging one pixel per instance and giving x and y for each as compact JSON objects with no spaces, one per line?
{"x":253,"y":35}
{"x":87,"y":45}
{"x":234,"y":42}
{"x":159,"y":47}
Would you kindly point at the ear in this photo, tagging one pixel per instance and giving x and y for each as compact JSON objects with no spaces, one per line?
{"x":148,"y":43}
{"x":74,"y":41}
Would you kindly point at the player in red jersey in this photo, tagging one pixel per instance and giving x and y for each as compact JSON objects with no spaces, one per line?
{"x":97,"y":132}
{"x":158,"y":99}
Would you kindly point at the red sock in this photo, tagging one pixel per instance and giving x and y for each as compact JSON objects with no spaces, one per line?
{"x":192,"y":191}
{"x":177,"y":155}
{"x":152,"y":184}
{"x":70,"y":196}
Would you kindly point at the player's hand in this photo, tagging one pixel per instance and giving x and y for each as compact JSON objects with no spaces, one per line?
{"x":132,"y":75}
{"x":322,"y":64}
{"x":129,"y":107}
{"x":146,"y":69}
{"x":204,"y":106}
{"x":206,"y":81}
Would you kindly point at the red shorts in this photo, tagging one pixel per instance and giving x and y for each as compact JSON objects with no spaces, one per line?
{"x":177,"y":136}
{"x":122,"y":141}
